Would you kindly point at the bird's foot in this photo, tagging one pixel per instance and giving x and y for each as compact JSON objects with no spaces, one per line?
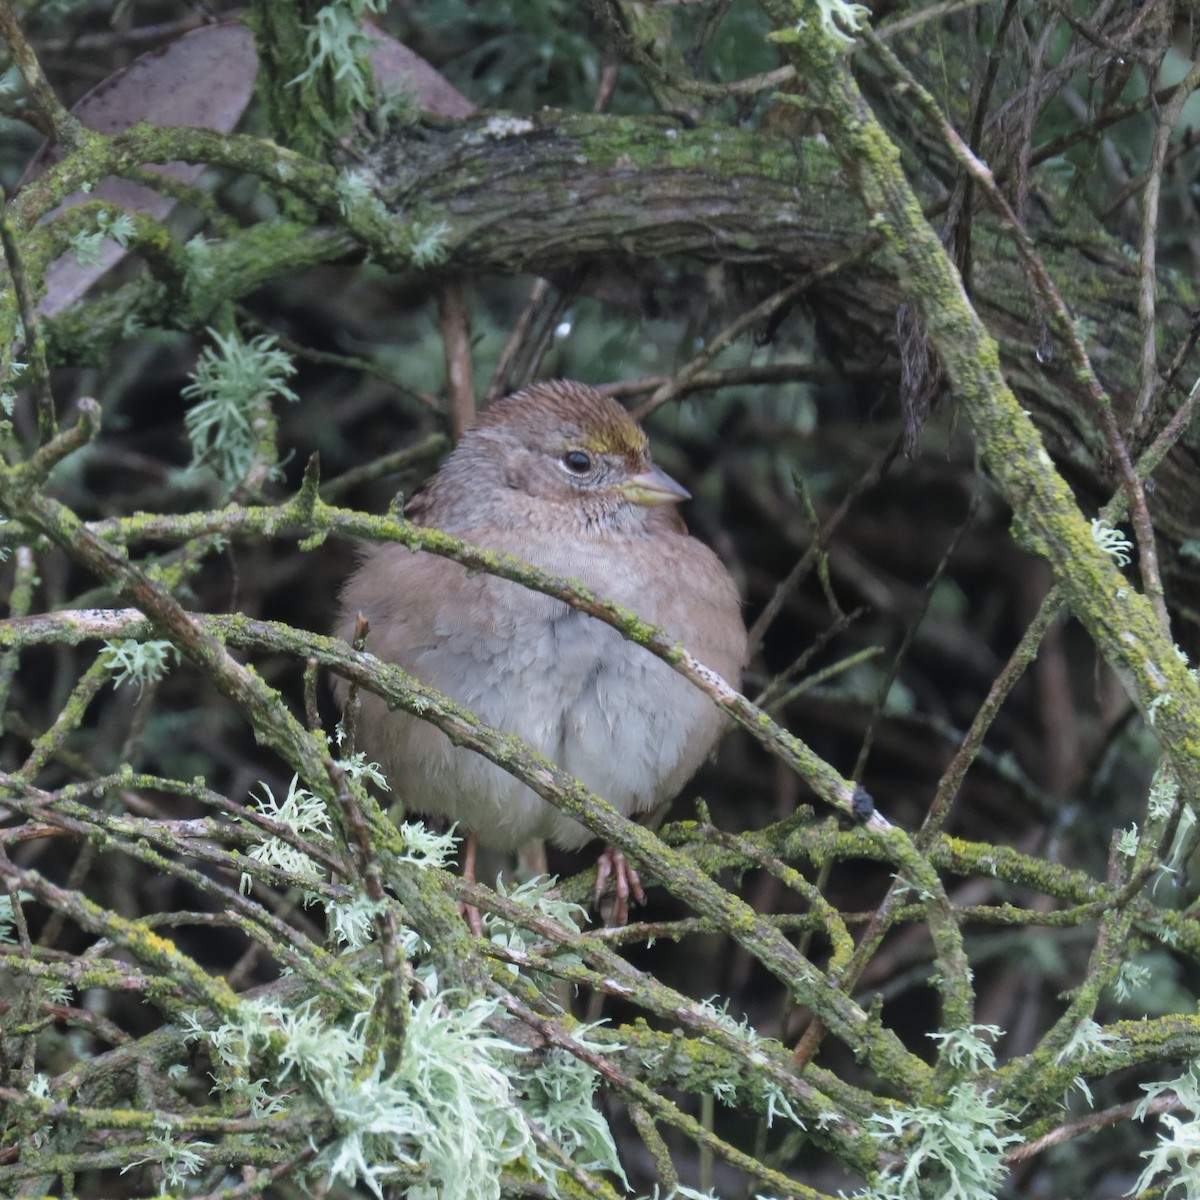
{"x":471,"y":915}
{"x":613,"y":865}
{"x":469,"y":911}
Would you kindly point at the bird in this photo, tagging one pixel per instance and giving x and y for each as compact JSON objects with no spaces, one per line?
{"x":560,"y":475}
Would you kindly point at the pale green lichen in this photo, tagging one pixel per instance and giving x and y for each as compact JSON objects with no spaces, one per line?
{"x":1112,"y":541}
{"x":301,"y":811}
{"x":139,"y":663}
{"x":1132,"y":977}
{"x":338,"y":44}
{"x":838,"y":16}
{"x":232,"y":378}
{"x":177,"y":1161}
{"x":458,"y":1109}
{"x":1127,"y":841}
{"x":86,"y":246}
{"x":427,"y":242}
{"x":1177,"y":1153}
{"x":955,"y":1149}
{"x":1089,"y":1041}
{"x":8,"y":918}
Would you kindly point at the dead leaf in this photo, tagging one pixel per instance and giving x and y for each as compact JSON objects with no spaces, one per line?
{"x":204,"y":80}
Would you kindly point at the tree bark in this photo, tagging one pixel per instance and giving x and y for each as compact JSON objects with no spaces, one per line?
{"x":560,"y":193}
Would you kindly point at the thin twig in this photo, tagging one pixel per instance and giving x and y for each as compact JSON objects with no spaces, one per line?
{"x":1177,"y":150}
{"x":456,"y":343}
{"x":67,"y":130}
{"x":516,"y":339}
{"x":1156,"y":1106}
{"x":931,"y":12}
{"x":788,"y":585}
{"x":39,"y":372}
{"x":1045,"y":287}
{"x":1148,"y":274}
{"x":423,"y":451}
{"x":762,"y":374}
{"x":914,"y":623}
{"x":961,"y":227}
{"x":760,"y":312}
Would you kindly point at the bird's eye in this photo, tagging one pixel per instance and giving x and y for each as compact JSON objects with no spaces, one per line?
{"x":577,"y":462}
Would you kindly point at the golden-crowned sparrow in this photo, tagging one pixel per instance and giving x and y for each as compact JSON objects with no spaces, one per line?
{"x":559,"y":475}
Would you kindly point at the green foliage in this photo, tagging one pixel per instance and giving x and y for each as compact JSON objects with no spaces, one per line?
{"x":1176,"y":1154}
{"x":953,"y":1150}
{"x":447,"y":1120}
{"x":139,"y":663}
{"x":337,"y":49}
{"x":178,"y":1162}
{"x":840,"y":20}
{"x":1112,"y":541}
{"x":231,"y":381}
{"x":949,"y":1151}
{"x":302,"y":811}
{"x":117,"y":228}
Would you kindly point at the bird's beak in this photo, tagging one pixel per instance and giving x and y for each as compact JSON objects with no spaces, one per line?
{"x":653,"y":487}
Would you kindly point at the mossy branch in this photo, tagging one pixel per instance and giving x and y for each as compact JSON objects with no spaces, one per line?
{"x":1122,"y":623}
{"x":674,"y":870}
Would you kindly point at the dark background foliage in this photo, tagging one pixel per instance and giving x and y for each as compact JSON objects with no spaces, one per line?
{"x":824,"y":434}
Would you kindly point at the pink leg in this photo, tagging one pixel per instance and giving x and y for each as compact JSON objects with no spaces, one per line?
{"x":469,"y":911}
{"x":625,"y":883}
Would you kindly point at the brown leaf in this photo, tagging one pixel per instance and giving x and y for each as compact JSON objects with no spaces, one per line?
{"x":204,"y":80}
{"x":397,"y":68}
